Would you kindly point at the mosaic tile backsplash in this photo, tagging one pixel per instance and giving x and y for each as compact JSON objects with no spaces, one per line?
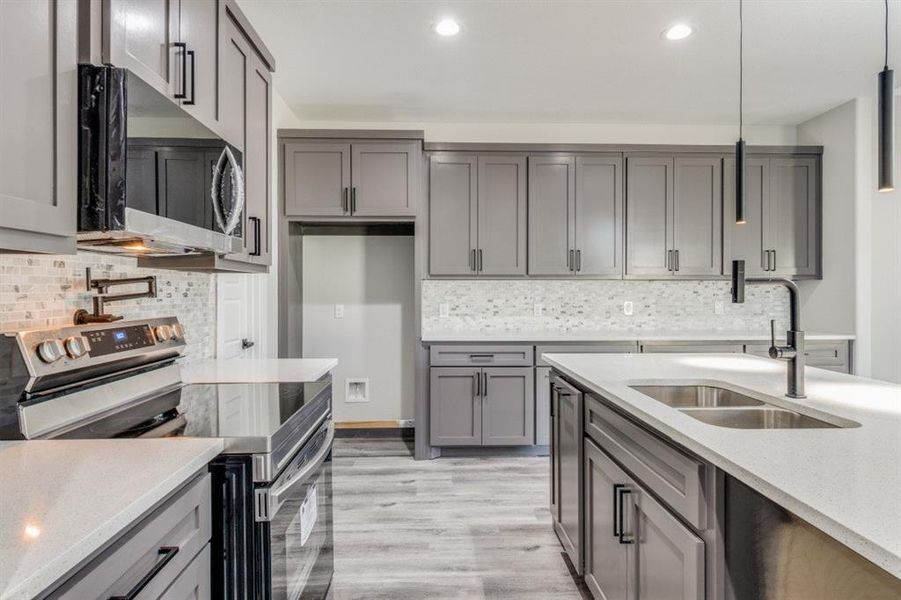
{"x":587,"y":307}
{"x":45,"y":291}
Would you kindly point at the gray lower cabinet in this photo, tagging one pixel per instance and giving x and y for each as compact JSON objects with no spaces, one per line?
{"x":782,"y":235}
{"x":575,"y":215}
{"x":165,"y":555}
{"x":477,"y":215}
{"x":674,"y":218}
{"x":566,"y":467}
{"x":491,"y":406}
{"x":38,"y":126}
{"x":350,"y":178}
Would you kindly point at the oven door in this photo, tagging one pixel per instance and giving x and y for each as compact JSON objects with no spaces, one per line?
{"x":295,"y":524}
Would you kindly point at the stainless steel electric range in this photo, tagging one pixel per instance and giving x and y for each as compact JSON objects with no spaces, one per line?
{"x":272,"y":487}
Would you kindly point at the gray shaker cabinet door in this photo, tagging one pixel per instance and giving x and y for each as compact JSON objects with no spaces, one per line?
{"x":199,"y":29}
{"x":140,"y":35}
{"x":508,"y":406}
{"x":568,"y":434}
{"x":551,"y":202}
{"x":455,"y":407}
{"x":667,"y":557}
{"x":234,"y":65}
{"x":794,"y":215}
{"x":542,"y":406}
{"x":606,"y":559}
{"x":649,"y":213}
{"x":502,"y":215}
{"x":258,"y":161}
{"x":384,"y":179}
{"x":599,"y":216}
{"x":452,"y":214}
{"x":697,"y":216}
{"x":38,"y":126}
{"x":747,"y":241}
{"x":317,"y":179}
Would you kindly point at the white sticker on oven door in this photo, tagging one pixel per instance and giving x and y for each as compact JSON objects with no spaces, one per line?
{"x":309,"y":511}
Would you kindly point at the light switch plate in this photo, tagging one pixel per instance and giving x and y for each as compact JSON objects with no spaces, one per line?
{"x":443,"y":311}
{"x":628,"y":308}
{"x":339,"y":311}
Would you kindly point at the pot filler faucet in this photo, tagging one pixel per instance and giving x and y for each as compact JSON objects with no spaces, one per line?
{"x":793,"y":352}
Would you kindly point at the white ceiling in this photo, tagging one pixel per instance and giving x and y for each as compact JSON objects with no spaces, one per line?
{"x":571,"y":60}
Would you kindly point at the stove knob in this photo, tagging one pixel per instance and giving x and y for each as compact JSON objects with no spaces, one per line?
{"x":50,"y":351}
{"x":163,"y":333}
{"x":76,"y":346}
{"x":178,"y":331}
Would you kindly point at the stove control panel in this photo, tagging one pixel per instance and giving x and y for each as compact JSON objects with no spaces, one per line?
{"x":120,"y":339}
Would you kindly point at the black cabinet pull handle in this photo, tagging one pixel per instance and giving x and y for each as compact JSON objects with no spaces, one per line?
{"x":774,"y":260}
{"x":669,"y":260}
{"x":167,"y":553}
{"x":578,"y":260}
{"x":257,"y":245}
{"x":190,"y":54}
{"x":477,"y":385}
{"x":569,"y":260}
{"x":353,"y":200}
{"x":485,"y":385}
{"x":184,"y":71}
{"x":624,"y":538}
{"x":616,"y":488}
{"x":677,"y":260}
{"x":480,"y":260}
{"x":344,"y":204}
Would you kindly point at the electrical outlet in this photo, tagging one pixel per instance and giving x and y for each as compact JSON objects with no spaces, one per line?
{"x":443,"y":311}
{"x":719,"y":308}
{"x":538,"y":309}
{"x":339,"y":311}
{"x":628,"y":308}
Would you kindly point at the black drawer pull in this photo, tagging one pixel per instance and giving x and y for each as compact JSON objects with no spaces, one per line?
{"x":616,"y":488}
{"x":167,"y":553}
{"x":624,"y":538}
{"x":488,"y":357}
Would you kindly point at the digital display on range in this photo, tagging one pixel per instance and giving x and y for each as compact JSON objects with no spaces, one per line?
{"x":109,"y":341}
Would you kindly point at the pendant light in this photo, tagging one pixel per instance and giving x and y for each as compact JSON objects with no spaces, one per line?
{"x":740,"y":153}
{"x":886,"y":120}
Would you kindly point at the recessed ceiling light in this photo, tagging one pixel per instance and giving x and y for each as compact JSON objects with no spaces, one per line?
{"x":447,"y":27}
{"x":679,"y":31}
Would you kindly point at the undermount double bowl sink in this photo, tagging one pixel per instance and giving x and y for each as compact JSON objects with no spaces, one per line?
{"x":727,"y":408}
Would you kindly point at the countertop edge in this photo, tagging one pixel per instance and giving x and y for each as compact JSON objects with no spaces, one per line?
{"x":203,"y":372}
{"x":880,"y":556}
{"x":56,"y":571}
{"x":451,"y":338}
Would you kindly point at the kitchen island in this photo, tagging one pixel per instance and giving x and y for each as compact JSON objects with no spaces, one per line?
{"x":843,"y":480}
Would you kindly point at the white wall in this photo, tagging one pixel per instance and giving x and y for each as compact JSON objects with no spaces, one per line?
{"x":372,"y":277}
{"x":577,"y":133}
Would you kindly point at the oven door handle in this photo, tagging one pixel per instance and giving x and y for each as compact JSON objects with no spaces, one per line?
{"x":268,"y":501}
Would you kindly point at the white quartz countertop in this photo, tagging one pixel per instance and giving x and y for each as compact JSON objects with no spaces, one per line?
{"x":62,"y":501}
{"x":594,"y":336}
{"x":264,"y":370}
{"x":846,"y":482}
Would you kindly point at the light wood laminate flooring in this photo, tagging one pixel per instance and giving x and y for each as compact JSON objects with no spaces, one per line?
{"x":448,"y":528}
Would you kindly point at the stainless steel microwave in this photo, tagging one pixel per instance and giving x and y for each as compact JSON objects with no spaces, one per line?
{"x":153,"y":180}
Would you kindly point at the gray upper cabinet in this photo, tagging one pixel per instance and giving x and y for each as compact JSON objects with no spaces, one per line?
{"x":234,"y":66}
{"x":198,"y":29}
{"x":38,"y":126}
{"x":747,"y":241}
{"x":477,"y":215}
{"x":452,"y":214}
{"x":508,"y":406}
{"x":258,"y":161}
{"x":649,"y":201}
{"x":552,"y":182}
{"x":501,"y":215}
{"x":674,"y":218}
{"x":140,"y":35}
{"x":782,"y":234}
{"x":794,"y":216}
{"x":455,"y":407}
{"x":384,"y":178}
{"x":599,"y":216}
{"x":317,"y":179}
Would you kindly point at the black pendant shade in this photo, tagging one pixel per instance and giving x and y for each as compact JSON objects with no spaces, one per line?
{"x":886,"y":130}
{"x":740,"y":161}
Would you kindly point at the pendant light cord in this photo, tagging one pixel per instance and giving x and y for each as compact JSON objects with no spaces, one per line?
{"x":886,"y":34}
{"x":741,"y":62}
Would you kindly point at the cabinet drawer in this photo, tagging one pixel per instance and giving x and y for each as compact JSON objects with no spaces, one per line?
{"x":674,"y":476}
{"x":688,"y":347}
{"x":476,"y":356}
{"x":173,"y":534}
{"x":194,"y":582}
{"x":601,"y":348}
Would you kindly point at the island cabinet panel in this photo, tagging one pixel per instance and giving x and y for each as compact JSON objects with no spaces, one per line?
{"x":606,"y":557}
{"x":649,"y":208}
{"x":501,"y":215}
{"x":453,"y":197}
{"x":508,"y":406}
{"x":38,"y":126}
{"x":697,"y":216}
{"x":598,"y":216}
{"x":455,"y":407}
{"x":552,"y":182}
